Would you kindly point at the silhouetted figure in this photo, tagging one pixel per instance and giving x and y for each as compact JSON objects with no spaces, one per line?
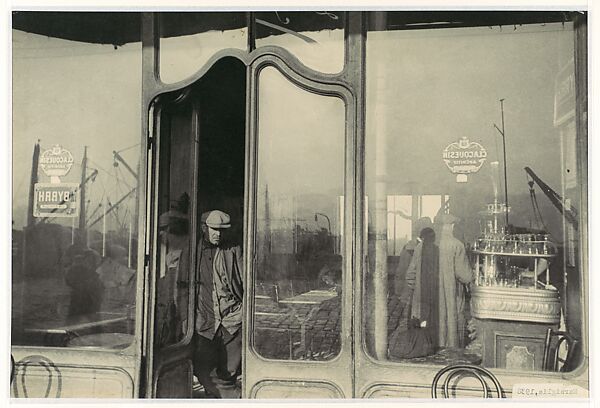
{"x":87,"y":289}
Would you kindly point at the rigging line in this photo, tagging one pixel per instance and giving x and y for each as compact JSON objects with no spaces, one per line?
{"x":110,"y":174}
{"x":99,"y":166}
{"x":93,"y":213}
{"x":544,"y":223}
{"x":531,"y":197}
{"x":116,"y":204}
{"x":535,"y":215}
{"x":97,"y":207}
{"x":497,"y":149}
{"x":115,"y":208}
{"x":118,"y":183}
{"x":537,"y":206}
{"x":120,"y":193}
{"x":128,"y":148}
{"x":102,"y":197}
{"x":115,"y":212}
{"x":123,"y":180}
{"x":117,"y":192}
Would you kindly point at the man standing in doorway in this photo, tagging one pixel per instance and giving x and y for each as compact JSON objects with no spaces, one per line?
{"x":218,"y":334}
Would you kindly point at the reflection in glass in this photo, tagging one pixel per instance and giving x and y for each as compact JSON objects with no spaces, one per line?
{"x":73,"y":275}
{"x":174,"y":232}
{"x":419,"y":277}
{"x":188,"y":40}
{"x":316,"y":38}
{"x":300,"y":181}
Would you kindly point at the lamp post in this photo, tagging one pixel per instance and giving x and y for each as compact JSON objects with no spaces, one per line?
{"x":504,"y":154}
{"x":328,"y":221}
{"x":328,"y":229}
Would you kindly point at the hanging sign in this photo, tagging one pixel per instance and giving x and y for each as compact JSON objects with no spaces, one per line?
{"x":56,"y":200}
{"x":464,"y":157}
{"x":564,"y":94}
{"x":56,"y":162}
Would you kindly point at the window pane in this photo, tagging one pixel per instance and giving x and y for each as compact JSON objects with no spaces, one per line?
{"x":74,"y":281}
{"x":176,"y":166}
{"x":436,"y":192}
{"x":300,"y":180}
{"x":316,"y":38}
{"x":188,"y":40}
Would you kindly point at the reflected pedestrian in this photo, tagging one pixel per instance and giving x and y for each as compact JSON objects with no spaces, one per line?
{"x":87,"y":290}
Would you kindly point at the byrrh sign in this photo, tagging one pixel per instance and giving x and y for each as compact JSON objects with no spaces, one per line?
{"x":464,"y":157}
{"x":56,"y":200}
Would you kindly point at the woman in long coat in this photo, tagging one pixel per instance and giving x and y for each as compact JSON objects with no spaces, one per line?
{"x":455,"y":272}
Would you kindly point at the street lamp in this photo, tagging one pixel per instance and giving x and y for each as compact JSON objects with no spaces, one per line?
{"x":328,"y":221}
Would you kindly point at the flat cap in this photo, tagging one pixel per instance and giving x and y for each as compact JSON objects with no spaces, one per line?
{"x":218,"y":219}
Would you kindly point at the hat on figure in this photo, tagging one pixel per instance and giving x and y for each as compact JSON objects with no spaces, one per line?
{"x":445,"y":219}
{"x":216,"y":219}
{"x":167,"y":217}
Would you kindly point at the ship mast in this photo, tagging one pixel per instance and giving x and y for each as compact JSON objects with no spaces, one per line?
{"x":82,"y":229}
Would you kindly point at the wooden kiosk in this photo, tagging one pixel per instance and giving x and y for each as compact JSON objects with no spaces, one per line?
{"x":512,"y":310}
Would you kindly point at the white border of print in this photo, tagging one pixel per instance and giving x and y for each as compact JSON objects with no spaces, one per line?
{"x":121,"y":5}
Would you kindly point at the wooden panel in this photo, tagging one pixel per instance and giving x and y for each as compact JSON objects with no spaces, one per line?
{"x":519,"y":342}
{"x":55,"y":381}
{"x":295,"y":390}
{"x":469,"y":388}
{"x":520,"y":353}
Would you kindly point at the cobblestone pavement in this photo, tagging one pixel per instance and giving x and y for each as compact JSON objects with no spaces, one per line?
{"x":311,"y":331}
{"x":306,"y":330}
{"x":298,"y":331}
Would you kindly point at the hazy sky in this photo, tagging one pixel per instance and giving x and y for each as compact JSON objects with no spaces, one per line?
{"x":439,"y":86}
{"x":427,"y":89}
{"x":74,"y":94}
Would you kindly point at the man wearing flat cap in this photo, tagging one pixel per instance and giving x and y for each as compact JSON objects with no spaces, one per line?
{"x":218,"y":334}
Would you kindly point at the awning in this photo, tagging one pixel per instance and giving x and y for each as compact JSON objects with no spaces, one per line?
{"x":119,"y":28}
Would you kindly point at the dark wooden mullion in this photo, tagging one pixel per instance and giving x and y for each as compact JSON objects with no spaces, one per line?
{"x":145,"y":314}
{"x":354,"y":73}
{"x":581,"y":117}
{"x":251,"y":23}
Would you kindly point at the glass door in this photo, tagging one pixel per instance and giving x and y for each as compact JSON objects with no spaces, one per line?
{"x":298,"y":342}
{"x":199,"y":168}
{"x":171,"y":320}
